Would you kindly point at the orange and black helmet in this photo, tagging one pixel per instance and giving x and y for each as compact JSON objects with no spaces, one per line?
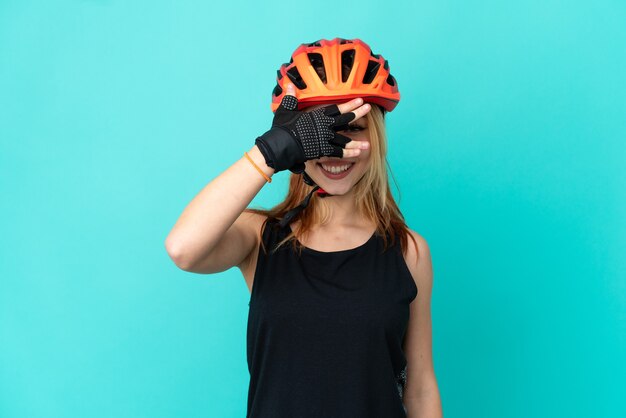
{"x":337,"y":70}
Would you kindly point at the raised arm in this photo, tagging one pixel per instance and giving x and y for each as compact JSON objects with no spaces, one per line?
{"x":214,"y":233}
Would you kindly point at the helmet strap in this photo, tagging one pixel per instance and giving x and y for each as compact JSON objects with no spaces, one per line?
{"x":292,"y":213}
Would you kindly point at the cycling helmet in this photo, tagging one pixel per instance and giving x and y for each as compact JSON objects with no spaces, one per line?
{"x":325,"y":72}
{"x":337,"y":70}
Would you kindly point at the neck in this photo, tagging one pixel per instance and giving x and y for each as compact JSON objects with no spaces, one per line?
{"x":343,"y":210}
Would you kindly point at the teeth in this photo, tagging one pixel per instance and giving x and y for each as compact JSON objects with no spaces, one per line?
{"x":336,"y":170}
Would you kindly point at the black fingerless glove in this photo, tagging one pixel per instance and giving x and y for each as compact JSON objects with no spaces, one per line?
{"x":299,"y":136}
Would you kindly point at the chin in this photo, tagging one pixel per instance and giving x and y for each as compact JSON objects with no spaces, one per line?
{"x":338,"y":188}
{"x":336,"y":191}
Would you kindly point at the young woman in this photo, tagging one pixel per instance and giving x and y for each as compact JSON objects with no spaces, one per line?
{"x":336,"y":326}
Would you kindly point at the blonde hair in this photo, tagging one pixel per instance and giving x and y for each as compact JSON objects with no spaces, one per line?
{"x":373,"y":197}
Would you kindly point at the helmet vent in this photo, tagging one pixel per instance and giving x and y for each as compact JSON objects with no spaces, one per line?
{"x":318,"y":63}
{"x":316,"y":43}
{"x":390,"y":80}
{"x":296,"y":78}
{"x":347,"y":61}
{"x":370,"y":73}
{"x":345,"y":41}
{"x":277,"y":91}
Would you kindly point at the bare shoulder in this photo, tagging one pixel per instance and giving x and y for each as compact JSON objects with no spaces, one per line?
{"x":419,"y":261}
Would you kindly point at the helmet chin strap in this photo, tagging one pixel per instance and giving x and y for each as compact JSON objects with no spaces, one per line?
{"x":292,"y":213}
{"x":308,"y":180}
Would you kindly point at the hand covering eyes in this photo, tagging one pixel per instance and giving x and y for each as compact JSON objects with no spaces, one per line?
{"x":298,"y":136}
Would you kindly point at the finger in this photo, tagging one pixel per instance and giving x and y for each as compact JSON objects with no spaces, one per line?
{"x":336,"y":152}
{"x":289,"y":100}
{"x":347,"y":152}
{"x":357,"y":144}
{"x":340,"y":140}
{"x":331,"y":110}
{"x":290,"y":90}
{"x":342,"y":121}
{"x":351,"y":105}
{"x":361,"y":111}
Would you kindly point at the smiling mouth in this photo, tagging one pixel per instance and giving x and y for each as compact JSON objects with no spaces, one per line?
{"x":336,"y":171}
{"x":336,"y":168}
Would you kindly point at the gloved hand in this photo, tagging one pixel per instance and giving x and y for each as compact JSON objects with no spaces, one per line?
{"x":299,"y":136}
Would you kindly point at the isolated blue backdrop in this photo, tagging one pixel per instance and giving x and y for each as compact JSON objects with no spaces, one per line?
{"x":507,"y":147}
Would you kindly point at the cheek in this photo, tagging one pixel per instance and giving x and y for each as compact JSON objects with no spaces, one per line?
{"x":364,"y":161}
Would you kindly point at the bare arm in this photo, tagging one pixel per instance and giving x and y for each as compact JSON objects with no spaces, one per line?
{"x":422,"y":397}
{"x":214,"y":233}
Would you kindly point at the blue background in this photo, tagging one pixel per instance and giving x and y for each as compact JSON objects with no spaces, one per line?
{"x":507,"y":147}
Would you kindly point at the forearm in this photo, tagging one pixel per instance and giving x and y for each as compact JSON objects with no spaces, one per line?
{"x":216,"y":207}
{"x":426,"y":404}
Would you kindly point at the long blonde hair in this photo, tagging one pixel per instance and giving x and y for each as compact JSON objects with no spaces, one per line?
{"x":373,"y":197}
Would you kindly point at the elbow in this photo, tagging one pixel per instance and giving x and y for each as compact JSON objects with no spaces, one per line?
{"x":177,"y":254}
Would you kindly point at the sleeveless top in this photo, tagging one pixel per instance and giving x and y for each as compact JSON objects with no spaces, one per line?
{"x":326,"y":330}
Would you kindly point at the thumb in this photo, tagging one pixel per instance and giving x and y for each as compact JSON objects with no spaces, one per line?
{"x":289,"y":101}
